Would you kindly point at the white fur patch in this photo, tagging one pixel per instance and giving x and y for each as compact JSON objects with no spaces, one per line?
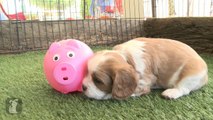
{"x":193,"y":82}
{"x":174,"y":93}
{"x":92,"y":91}
{"x":135,"y":48}
{"x":175,"y":77}
{"x":94,"y":62}
{"x":185,"y":86}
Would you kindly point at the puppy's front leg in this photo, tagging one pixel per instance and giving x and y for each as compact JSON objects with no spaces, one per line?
{"x":143,"y":88}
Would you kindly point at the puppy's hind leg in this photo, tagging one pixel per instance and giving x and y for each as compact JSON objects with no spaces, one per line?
{"x":175,"y":93}
{"x":186,"y":85}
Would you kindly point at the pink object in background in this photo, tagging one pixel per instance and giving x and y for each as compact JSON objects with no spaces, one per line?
{"x":65,"y":65}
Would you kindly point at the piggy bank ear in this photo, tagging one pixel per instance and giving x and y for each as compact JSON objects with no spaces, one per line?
{"x":54,"y":46}
{"x":74,"y":43}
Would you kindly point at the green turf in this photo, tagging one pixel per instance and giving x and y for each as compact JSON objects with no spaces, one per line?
{"x":21,"y":76}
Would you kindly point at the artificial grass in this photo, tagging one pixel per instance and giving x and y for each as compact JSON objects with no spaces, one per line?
{"x":21,"y":76}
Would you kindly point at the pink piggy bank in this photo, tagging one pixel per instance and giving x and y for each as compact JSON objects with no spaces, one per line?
{"x":65,"y":65}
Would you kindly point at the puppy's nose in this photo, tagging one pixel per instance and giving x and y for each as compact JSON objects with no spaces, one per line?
{"x":84,"y":87}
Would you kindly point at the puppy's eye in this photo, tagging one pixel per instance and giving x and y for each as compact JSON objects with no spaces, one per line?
{"x":97,"y":81}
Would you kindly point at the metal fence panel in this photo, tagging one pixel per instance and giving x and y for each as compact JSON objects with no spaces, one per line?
{"x":34,"y":24}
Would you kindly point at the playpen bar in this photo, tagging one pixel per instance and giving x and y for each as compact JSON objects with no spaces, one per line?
{"x":65,"y":28}
{"x":45,"y":24}
{"x":39,"y":31}
{"x":10,"y":33}
{"x":139,"y":12}
{"x":31,"y":22}
{"x":126,"y":21}
{"x":71,"y":21}
{"x":2,"y":38}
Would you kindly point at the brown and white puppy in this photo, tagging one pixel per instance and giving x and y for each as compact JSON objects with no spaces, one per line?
{"x":139,"y":65}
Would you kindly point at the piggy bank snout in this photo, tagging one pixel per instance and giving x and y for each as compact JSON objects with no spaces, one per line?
{"x":64,"y":73}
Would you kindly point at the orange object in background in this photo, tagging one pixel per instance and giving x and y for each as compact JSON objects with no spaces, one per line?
{"x":119,"y":6}
{"x":70,"y":18}
{"x":105,"y":17}
{"x":110,"y":9}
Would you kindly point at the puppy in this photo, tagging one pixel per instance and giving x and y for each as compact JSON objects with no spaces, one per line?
{"x":139,"y":65}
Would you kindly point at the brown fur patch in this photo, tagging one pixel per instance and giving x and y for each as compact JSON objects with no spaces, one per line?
{"x":105,"y":76}
{"x":127,"y":55}
{"x":125,"y":82}
{"x":115,"y":76}
{"x":163,"y":58}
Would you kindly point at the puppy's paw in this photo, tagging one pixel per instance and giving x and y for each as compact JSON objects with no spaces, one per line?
{"x":141,"y":91}
{"x":172,"y":93}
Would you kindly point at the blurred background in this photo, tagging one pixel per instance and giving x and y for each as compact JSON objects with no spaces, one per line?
{"x":34,"y":24}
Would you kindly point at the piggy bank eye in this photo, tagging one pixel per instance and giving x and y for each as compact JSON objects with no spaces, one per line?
{"x":70,"y":54}
{"x":56,"y":58}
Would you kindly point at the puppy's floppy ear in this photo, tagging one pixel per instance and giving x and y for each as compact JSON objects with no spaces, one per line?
{"x":124,"y":83}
